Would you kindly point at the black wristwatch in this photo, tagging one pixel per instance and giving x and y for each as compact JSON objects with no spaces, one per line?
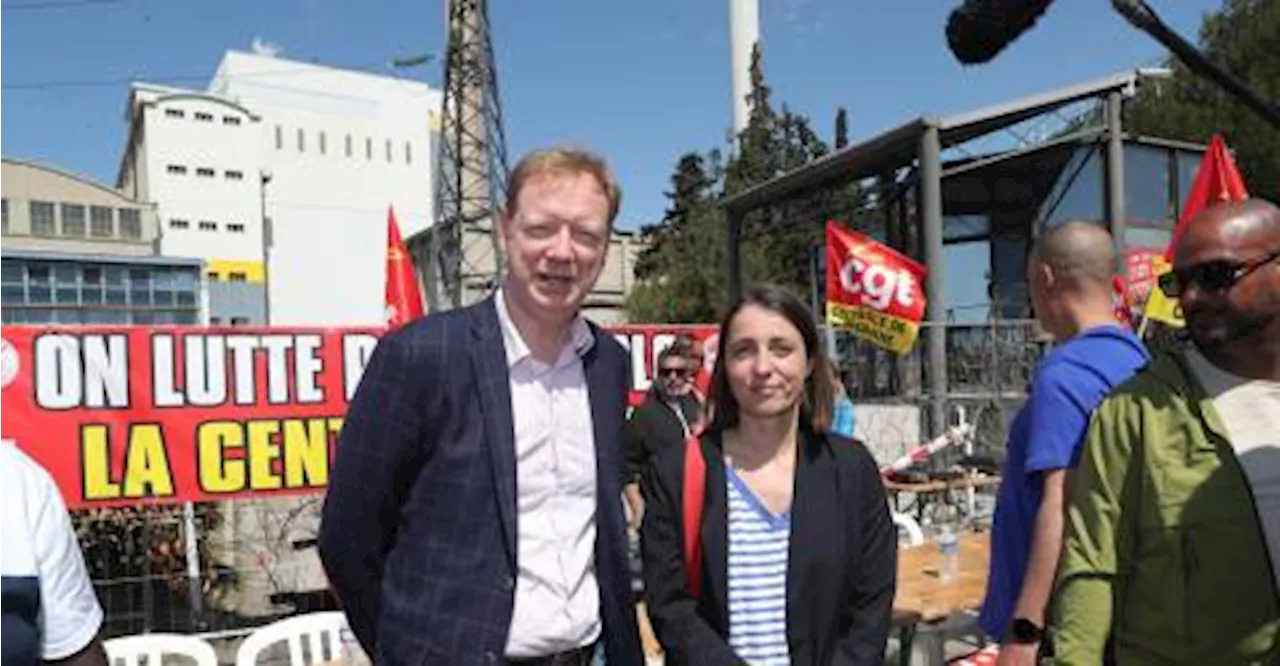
{"x":1025,"y":631}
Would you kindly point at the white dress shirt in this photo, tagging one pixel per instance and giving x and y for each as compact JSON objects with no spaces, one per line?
{"x":557,"y":602}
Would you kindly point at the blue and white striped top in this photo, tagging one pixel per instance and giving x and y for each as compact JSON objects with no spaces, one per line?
{"x":757,"y":577}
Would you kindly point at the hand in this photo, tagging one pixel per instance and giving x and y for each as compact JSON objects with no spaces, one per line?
{"x":1018,"y":654}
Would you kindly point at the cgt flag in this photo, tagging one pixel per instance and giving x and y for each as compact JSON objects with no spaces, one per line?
{"x":873,"y":290}
{"x":1217,"y":180}
{"x":403,"y":297}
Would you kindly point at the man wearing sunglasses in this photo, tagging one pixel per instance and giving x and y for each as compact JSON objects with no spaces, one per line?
{"x":667,"y":417}
{"x":1172,"y":552}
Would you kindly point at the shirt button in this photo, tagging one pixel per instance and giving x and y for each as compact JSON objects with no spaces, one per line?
{"x":509,"y":583}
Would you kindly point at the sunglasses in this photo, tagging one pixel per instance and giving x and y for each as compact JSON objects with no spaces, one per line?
{"x":674,"y":372}
{"x":1212,"y":276}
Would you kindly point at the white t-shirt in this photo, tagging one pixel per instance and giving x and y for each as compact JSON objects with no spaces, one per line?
{"x":1250,"y":411}
{"x":50,"y":609}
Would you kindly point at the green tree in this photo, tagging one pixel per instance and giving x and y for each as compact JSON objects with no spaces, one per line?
{"x":1244,"y":38}
{"x":681,"y":272}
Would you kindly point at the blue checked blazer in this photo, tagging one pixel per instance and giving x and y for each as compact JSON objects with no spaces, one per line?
{"x":418,"y":534}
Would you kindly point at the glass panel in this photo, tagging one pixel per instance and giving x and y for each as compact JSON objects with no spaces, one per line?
{"x":184,"y":280}
{"x":965,"y":226}
{"x":13,"y":272}
{"x":1188,"y":166}
{"x":69,"y":295}
{"x":1077,"y":195}
{"x":73,"y":223}
{"x":143,"y":317}
{"x":35,"y":316}
{"x":968,"y":269}
{"x":13,"y":294}
{"x":66,"y":274}
{"x":1146,"y":184}
{"x":42,"y":218}
{"x":115,"y":276}
{"x":140,"y":296}
{"x":91,"y":294}
{"x":1147,"y":238}
{"x":117,"y":296}
{"x":105,"y":316}
{"x":184,"y":317}
{"x":186,"y":298}
{"x":162,"y":297}
{"x":130,"y":223}
{"x":139,"y":278}
{"x":162,"y":317}
{"x":67,"y":316}
{"x":91,"y":274}
{"x":101,"y":222}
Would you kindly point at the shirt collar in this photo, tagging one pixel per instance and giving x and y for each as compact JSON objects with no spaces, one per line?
{"x":581,"y":340}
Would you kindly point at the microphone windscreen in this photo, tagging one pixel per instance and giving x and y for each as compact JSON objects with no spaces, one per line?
{"x":978,"y":30}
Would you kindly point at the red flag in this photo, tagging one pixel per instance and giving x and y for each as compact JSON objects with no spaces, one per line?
{"x":404,"y":298}
{"x":873,"y":290}
{"x":1216,"y":181}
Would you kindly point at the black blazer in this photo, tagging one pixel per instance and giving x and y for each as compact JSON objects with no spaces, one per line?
{"x":841,"y":566}
{"x":418,"y":534}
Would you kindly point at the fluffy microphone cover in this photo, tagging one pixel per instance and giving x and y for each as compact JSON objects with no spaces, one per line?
{"x":977,"y":30}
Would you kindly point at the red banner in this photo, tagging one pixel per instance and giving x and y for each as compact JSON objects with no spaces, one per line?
{"x":129,"y":415}
{"x":873,"y":290}
{"x":646,"y":341}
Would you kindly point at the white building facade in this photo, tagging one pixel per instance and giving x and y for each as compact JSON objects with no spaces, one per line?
{"x":280,"y":177}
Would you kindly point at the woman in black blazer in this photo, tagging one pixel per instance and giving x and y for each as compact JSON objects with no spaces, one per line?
{"x":798,"y":553}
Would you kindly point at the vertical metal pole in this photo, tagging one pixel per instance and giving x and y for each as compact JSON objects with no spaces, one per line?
{"x":264,"y":178}
{"x":931,"y":217}
{"x":733,"y":258}
{"x":191,"y":541}
{"x":1115,"y":176}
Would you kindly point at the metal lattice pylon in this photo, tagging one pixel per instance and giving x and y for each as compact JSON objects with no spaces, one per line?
{"x":472,"y":178}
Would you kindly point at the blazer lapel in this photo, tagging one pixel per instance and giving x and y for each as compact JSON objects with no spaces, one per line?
{"x":715,"y":535}
{"x":812,"y":534}
{"x":493,"y":381}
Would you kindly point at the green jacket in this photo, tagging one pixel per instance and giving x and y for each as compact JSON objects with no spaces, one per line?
{"x":1164,"y":554}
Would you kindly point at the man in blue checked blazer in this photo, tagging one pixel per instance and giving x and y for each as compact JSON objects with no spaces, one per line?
{"x":474,"y":515}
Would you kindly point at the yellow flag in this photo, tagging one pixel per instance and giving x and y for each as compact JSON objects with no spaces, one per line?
{"x":1159,"y":306}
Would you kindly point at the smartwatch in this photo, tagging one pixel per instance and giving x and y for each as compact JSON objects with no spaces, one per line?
{"x":1025,"y":631}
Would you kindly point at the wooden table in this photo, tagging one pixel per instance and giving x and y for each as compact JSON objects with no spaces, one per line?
{"x":926,"y":599}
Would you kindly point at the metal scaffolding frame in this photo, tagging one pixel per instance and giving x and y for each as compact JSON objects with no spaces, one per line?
{"x":918,"y":144}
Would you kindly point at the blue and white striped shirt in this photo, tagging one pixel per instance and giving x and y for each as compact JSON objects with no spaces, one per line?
{"x":758,"y":542}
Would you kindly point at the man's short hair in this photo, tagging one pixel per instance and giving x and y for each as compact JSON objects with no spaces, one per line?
{"x":567,"y":161}
{"x":1078,"y":251}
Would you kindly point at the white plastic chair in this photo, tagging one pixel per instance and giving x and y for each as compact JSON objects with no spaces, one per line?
{"x":155,"y":647}
{"x":909,"y":526}
{"x":310,"y":631}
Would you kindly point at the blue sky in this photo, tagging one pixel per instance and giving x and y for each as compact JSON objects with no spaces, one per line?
{"x":642,"y":82}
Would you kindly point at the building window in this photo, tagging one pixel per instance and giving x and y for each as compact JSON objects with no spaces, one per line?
{"x":204,"y":117}
{"x":388,"y":150}
{"x":205,"y":172}
{"x":179,"y":224}
{"x":408,"y":153}
{"x":4,"y":214}
{"x":234,"y":175}
{"x":176,"y":169}
{"x":230,"y":120}
{"x":235,"y":227}
{"x":174,"y":113}
{"x":237,"y":276}
{"x":91,"y":284}
{"x":368,"y":148}
{"x":43,"y":222}
{"x":130,"y":223}
{"x":213,"y":276}
{"x":215,"y":321}
{"x":279,"y":138}
{"x":208,"y":225}
{"x":102,"y":223}
{"x":73,"y":220}
{"x":322,"y":143}
{"x":239,"y":321}
{"x":348,"y":145}
{"x":302,"y":140}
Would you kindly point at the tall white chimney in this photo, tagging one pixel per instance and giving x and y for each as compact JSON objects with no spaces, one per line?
{"x":744,"y":32}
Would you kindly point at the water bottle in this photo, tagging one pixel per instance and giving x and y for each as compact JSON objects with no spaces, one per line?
{"x":949,"y":546}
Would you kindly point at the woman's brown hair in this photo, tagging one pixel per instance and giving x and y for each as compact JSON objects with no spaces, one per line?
{"x":818,"y":400}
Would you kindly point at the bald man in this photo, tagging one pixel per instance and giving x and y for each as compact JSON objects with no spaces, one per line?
{"x":1069,"y":277}
{"x":1173,"y":526}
